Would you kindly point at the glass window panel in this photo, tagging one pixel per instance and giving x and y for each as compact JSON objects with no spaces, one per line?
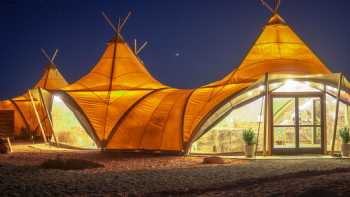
{"x":226,"y":136}
{"x":232,"y":103}
{"x":309,"y":111}
{"x":283,"y":111}
{"x":330,"y":116}
{"x":310,"y":137}
{"x":343,"y":121}
{"x":284,"y":137}
{"x":67,"y":128}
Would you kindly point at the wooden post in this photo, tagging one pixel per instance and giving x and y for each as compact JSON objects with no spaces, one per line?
{"x":37,"y":116}
{"x":324,"y":119}
{"x":336,"y":112}
{"x":9,"y":143}
{"x":258,"y":135}
{"x":266,"y":82}
{"x":48,"y":115}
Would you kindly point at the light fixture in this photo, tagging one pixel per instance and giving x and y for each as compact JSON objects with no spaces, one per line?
{"x":57,"y":99}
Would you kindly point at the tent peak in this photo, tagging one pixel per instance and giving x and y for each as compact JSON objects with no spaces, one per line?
{"x":276,"y":19}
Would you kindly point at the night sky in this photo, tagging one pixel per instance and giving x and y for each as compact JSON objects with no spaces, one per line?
{"x":191,"y":42}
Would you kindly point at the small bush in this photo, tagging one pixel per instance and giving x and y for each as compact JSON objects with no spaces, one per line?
{"x":69,"y":164}
{"x":345,"y":135}
{"x":213,"y":160}
{"x":249,"y":136}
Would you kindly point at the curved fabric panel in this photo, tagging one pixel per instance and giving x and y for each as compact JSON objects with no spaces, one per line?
{"x":95,"y":106}
{"x":120,"y":102}
{"x":118,"y":68}
{"x":163,"y":131}
{"x":203,"y":101}
{"x":28,"y":112}
{"x":151,"y":113}
{"x":19,"y":120}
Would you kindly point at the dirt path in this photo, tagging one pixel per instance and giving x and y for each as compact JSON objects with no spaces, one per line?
{"x":329,"y":183}
{"x":149,"y":175}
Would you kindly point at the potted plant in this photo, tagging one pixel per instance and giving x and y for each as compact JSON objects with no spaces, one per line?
{"x":345,"y":138}
{"x":249,"y":139}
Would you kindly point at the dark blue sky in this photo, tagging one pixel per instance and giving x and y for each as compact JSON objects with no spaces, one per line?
{"x":211,"y":36}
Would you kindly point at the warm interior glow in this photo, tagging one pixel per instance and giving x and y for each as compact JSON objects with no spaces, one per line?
{"x":57,"y":98}
{"x":67,"y":128}
{"x":226,"y":136}
{"x":296,"y":86}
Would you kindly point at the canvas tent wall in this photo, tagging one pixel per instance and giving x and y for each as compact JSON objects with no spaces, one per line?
{"x":122,"y":107}
{"x":25,"y":119}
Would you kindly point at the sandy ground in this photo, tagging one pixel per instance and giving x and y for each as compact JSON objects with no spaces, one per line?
{"x":127,"y":175}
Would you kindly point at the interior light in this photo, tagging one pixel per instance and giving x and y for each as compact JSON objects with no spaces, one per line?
{"x":292,"y":85}
{"x":57,"y":98}
{"x":261,"y":87}
{"x":307,"y":83}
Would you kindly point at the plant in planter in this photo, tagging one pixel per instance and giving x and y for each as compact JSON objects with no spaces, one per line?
{"x":249,"y":139}
{"x":345,"y":138}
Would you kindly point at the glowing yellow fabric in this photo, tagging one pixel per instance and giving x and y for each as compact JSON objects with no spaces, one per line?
{"x":130,"y":110}
{"x":278,"y":49}
{"x":118,"y":68}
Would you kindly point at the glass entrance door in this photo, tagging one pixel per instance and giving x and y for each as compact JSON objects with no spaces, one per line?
{"x":296,"y":124}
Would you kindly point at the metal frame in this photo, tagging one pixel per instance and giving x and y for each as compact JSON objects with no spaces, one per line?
{"x":47,"y":114}
{"x":296,"y":125}
{"x":255,"y":85}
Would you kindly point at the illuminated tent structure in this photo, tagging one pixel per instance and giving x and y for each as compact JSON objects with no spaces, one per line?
{"x":18,"y":116}
{"x":118,"y":105}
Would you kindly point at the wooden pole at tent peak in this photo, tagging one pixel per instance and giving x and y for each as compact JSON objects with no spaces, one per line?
{"x":266,"y":82}
{"x":267,"y":6}
{"x":46,"y":55}
{"x":37,"y":116}
{"x":110,"y":22}
{"x":135,"y":45}
{"x":142,"y":47}
{"x":120,"y":28}
{"x":336,"y":112}
{"x":54,"y":55}
{"x":272,"y":10}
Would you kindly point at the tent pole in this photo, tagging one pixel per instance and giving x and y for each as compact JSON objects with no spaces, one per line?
{"x":324,"y":120}
{"x":257,"y":137}
{"x":266,"y":111}
{"x":47,"y":114}
{"x":37,"y":116}
{"x":336,"y":112}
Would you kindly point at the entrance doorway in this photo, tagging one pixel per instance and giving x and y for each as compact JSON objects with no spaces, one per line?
{"x":296,"y":121}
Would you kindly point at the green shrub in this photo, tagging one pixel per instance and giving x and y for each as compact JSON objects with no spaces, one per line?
{"x":345,"y":135}
{"x":249,"y":136}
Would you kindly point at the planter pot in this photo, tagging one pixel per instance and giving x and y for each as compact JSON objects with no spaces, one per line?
{"x":249,"y":150}
{"x":345,"y":150}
